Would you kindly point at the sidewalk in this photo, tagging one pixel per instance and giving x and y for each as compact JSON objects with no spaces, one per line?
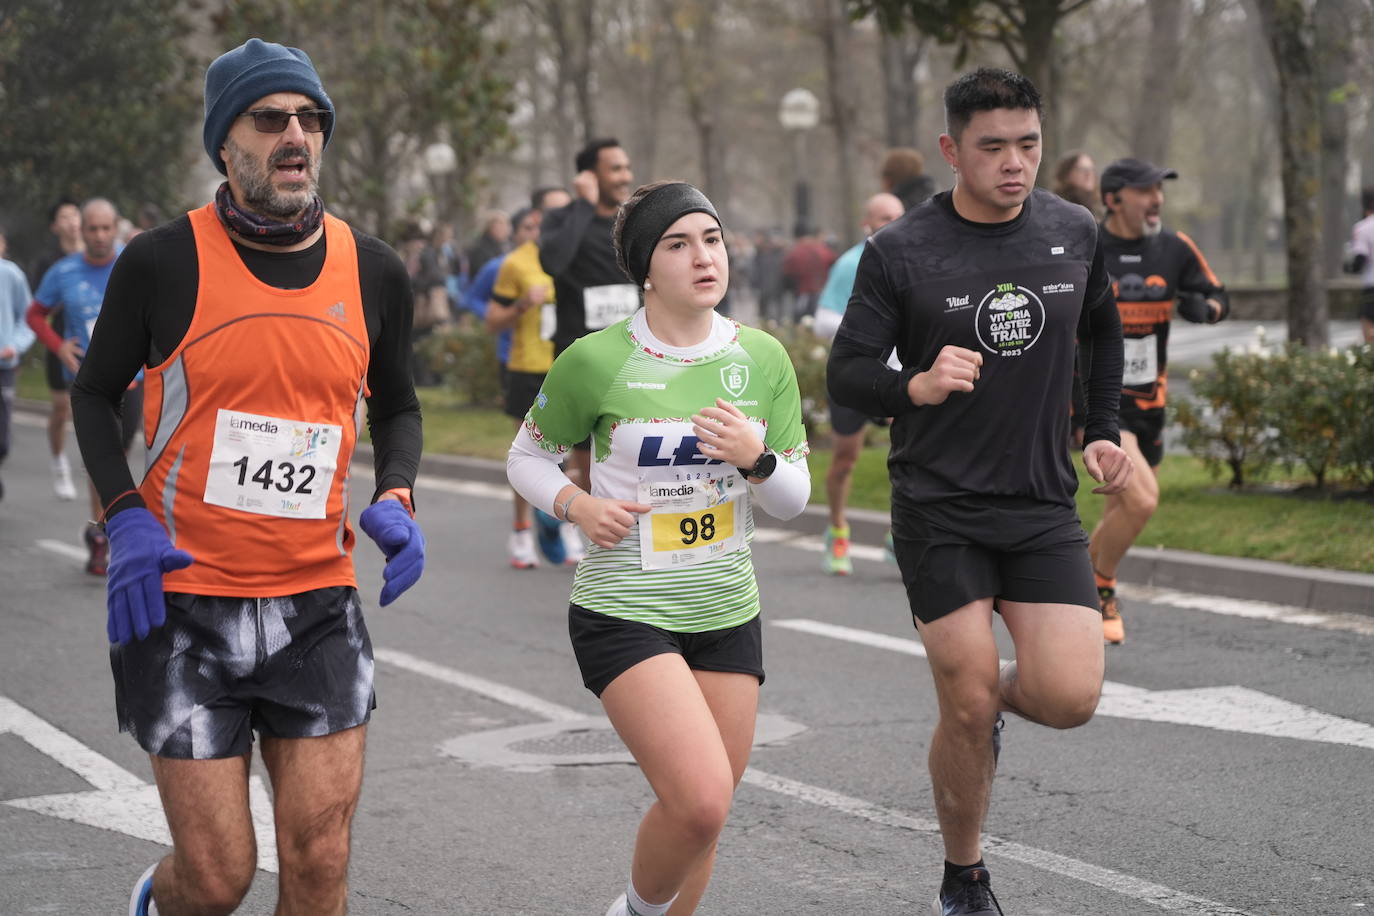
{"x":1229,"y":577}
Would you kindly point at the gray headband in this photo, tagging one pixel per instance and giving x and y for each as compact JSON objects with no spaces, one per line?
{"x":650,"y":218}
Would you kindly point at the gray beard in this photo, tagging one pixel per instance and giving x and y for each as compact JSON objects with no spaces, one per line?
{"x":259,"y":194}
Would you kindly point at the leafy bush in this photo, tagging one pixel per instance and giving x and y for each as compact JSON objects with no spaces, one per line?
{"x":809,"y":355}
{"x":1226,"y":423}
{"x":463,"y":356}
{"x":1304,"y":409}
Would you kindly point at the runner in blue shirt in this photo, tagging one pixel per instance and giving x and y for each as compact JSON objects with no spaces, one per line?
{"x":76,"y":284}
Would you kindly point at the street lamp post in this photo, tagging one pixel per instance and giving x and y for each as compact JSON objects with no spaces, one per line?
{"x":440,"y":162}
{"x":799,"y":112}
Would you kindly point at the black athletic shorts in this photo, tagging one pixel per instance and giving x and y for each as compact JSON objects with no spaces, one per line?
{"x":1148,"y":427}
{"x":52,"y":370}
{"x":957,"y":551}
{"x":846,"y":422}
{"x":521,"y":388}
{"x":298,"y":666}
{"x":1367,"y":303}
{"x":606,"y":647}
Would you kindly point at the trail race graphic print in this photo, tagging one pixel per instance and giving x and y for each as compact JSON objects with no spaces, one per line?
{"x":1009,"y":319}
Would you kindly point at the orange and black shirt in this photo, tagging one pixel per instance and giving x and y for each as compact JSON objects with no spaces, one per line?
{"x":1148,"y":274}
{"x":257,"y":363}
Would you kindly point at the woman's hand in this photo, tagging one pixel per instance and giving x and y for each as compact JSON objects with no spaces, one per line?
{"x":724,"y":433}
{"x":605,"y":521}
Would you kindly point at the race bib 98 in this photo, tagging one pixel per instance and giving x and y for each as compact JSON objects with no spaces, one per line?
{"x":692,"y":521}
{"x":272,"y":466}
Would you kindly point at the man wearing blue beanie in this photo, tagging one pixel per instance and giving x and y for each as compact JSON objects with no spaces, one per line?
{"x":233,"y":607}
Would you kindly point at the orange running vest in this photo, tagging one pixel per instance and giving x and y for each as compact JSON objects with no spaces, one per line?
{"x":250,"y":424}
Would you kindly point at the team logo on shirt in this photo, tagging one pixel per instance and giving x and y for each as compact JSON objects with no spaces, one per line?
{"x":735,"y":378}
{"x":1009,"y":319}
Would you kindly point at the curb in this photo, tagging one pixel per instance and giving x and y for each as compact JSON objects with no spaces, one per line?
{"x":1305,"y":587}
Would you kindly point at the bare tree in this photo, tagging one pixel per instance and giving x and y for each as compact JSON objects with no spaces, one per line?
{"x":835,"y":31}
{"x":1289,"y":29}
{"x":1024,"y":28}
{"x":901,"y":53}
{"x":572,"y":25}
{"x":693,"y":29}
{"x":1154,"y":114}
{"x":1332,"y":21}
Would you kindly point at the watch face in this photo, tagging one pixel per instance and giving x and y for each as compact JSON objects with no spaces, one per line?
{"x":767,"y":464}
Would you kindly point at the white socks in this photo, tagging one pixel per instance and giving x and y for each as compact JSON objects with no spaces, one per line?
{"x":635,"y":905}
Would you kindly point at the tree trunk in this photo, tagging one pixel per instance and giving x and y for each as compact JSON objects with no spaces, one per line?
{"x":836,"y":34}
{"x":1155,"y":110}
{"x":1333,"y":19}
{"x":582,"y":73}
{"x":901,"y":53}
{"x":1289,"y":31}
{"x":1031,"y":46}
{"x":694,"y":39}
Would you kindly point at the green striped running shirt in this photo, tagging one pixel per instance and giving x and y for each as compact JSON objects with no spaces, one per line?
{"x":636,"y":399}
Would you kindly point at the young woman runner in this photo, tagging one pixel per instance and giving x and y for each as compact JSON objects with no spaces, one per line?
{"x":694,"y":421}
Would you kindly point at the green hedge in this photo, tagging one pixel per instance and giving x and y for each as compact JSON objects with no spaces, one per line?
{"x":1310,"y":412}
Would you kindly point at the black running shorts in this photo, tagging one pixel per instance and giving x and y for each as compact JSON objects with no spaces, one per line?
{"x":221,"y":668}
{"x":52,"y":371}
{"x":955,"y":552}
{"x":606,"y":647}
{"x":1148,"y":427}
{"x":521,"y":388}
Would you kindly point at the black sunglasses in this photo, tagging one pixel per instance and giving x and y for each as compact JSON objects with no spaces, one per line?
{"x":274,"y":120}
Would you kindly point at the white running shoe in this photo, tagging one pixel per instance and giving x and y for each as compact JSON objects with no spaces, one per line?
{"x":62,"y":478}
{"x":573,"y":544}
{"x":619,"y":908}
{"x":522,"y":551}
{"x":141,"y":900}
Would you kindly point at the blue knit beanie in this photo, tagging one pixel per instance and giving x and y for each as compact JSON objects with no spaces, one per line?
{"x":240,"y":77}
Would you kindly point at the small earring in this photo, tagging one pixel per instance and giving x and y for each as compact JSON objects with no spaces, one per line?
{"x":648,"y":285}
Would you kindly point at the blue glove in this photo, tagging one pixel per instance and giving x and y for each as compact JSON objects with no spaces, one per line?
{"x":140,"y":553}
{"x":389,"y":524}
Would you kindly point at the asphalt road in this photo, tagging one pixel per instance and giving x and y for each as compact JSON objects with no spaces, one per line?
{"x":1230,"y":769}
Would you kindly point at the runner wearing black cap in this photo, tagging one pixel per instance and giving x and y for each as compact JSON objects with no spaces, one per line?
{"x":1151,"y":268}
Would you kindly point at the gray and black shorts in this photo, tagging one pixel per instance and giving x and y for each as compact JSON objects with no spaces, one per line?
{"x":298,"y":666}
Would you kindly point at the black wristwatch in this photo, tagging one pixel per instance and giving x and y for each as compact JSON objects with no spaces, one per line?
{"x":764,"y":467}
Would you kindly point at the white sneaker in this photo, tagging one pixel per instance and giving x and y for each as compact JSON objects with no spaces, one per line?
{"x":141,"y":900}
{"x":522,"y":551}
{"x":573,"y":544}
{"x":62,"y":479}
{"x":619,"y":908}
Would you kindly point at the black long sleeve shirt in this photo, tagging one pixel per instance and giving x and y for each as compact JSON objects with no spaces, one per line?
{"x":1018,"y":292}
{"x":148,"y":306}
{"x":575,"y":248}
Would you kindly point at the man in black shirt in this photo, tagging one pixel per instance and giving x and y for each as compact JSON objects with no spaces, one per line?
{"x":1151,"y":269}
{"x":590,"y":290}
{"x":982,"y":290}
{"x":261,"y":322}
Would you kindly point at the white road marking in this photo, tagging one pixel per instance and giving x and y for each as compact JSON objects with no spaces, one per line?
{"x":1158,"y":895}
{"x":62,"y":548}
{"x":1166,"y":898}
{"x":1254,"y":610}
{"x":1228,"y":708}
{"x":510,"y":696}
{"x":1233,"y":607}
{"x":120,"y":801}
